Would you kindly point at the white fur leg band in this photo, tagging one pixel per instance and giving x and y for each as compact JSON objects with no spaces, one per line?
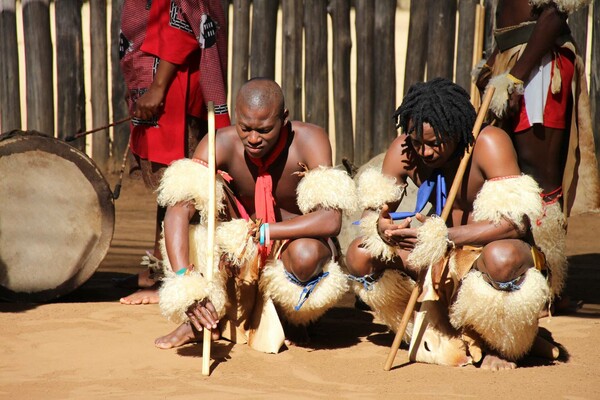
{"x":328,"y":188}
{"x":372,"y":242}
{"x":504,"y":86}
{"x":302,"y":304}
{"x":376,"y":189}
{"x":178,"y":292}
{"x":234,"y":241}
{"x":432,"y":243}
{"x":511,"y":198}
{"x":187,"y":180}
{"x":565,"y":6}
{"x":507,"y":321}
{"x":387,"y":297}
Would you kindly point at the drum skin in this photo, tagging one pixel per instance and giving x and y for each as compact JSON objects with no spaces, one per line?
{"x":56,"y":217}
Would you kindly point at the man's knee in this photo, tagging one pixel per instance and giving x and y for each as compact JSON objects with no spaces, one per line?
{"x":358,"y":261}
{"x":305,"y":258}
{"x":503,"y":260}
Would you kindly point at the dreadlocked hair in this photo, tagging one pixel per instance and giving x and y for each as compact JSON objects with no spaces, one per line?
{"x":442,"y":104}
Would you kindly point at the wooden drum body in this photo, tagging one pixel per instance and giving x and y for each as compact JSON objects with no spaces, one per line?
{"x":56,"y":217}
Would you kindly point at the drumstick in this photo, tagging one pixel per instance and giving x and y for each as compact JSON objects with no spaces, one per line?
{"x":410,"y":307}
{"x":117,"y":190}
{"x":70,"y":138}
{"x":210,"y":242}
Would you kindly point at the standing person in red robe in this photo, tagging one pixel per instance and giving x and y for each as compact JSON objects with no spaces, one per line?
{"x":173,"y":64}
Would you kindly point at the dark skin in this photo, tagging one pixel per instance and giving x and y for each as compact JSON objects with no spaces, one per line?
{"x":538,"y":148}
{"x":505,"y":255}
{"x":260,"y":116}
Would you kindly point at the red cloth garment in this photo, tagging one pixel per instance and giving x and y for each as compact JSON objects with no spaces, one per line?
{"x":142,"y":44}
{"x":264,"y":202}
{"x":207,"y":21}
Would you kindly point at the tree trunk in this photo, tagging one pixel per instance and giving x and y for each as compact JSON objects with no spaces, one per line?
{"x":578,"y":22}
{"x":315,"y":80}
{"x":384,"y":67}
{"x":119,"y":91}
{"x":264,"y":29}
{"x":595,"y":77}
{"x":417,"y":44}
{"x":365,"y":81}
{"x":466,"y":40}
{"x":293,"y":11}
{"x":100,"y":141}
{"x":10,"y":99}
{"x":70,"y":84}
{"x":442,"y":27}
{"x":38,"y":66}
{"x":241,"y":51}
{"x":342,"y":44}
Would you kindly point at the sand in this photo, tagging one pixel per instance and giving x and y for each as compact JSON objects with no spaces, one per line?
{"x":88,"y":346}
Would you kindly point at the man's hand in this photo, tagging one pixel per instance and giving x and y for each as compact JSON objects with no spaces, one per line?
{"x":514,"y":104}
{"x":483,"y":79}
{"x":202,"y":314}
{"x":150,"y":104}
{"x":402,"y":235}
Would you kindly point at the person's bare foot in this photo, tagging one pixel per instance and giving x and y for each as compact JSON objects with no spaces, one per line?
{"x":183,"y":334}
{"x":493,"y":362}
{"x":138,"y":281}
{"x":142,"y":297}
{"x":296,"y":335}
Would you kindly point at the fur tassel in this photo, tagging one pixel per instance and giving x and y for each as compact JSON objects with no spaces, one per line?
{"x":285,"y":294}
{"x":565,"y":6}
{"x":476,"y":71}
{"x":506,"y":321}
{"x":328,"y":188}
{"x":550,"y":235}
{"x":234,"y":241}
{"x":504,"y":88}
{"x":371,"y":239}
{"x":187,"y":180}
{"x":388,"y":298}
{"x":376,"y":189}
{"x":510,"y":198}
{"x":432,"y":243}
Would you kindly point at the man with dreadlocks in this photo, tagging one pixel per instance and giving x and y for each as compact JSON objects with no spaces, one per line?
{"x":486,"y":242}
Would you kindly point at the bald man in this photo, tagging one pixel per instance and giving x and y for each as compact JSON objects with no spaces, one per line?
{"x":286,"y":198}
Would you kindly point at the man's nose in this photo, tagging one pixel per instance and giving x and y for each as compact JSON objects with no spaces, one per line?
{"x":426,"y":151}
{"x":253,"y":137}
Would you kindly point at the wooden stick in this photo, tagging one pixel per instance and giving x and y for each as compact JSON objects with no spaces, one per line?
{"x":477,"y":49}
{"x":410,"y":307}
{"x":70,"y":138}
{"x":117,"y":191}
{"x":210,"y":242}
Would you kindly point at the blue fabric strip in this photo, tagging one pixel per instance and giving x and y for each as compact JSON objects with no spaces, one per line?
{"x":367,"y":281}
{"x":308,"y":287}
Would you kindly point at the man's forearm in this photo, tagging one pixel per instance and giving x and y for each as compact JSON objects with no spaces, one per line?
{"x":316,"y":224}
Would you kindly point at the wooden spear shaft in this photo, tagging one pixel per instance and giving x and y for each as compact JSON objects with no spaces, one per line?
{"x":210,"y":242}
{"x":410,"y":307}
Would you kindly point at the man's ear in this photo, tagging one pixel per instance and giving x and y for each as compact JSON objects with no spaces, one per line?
{"x":286,"y":114}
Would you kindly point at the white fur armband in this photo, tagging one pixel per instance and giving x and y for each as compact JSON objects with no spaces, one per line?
{"x":233,"y":240}
{"x":566,"y":6}
{"x":178,"y":292}
{"x":504,"y":84}
{"x":326,"y":187}
{"x":376,"y":189}
{"x":511,"y":198}
{"x":187,"y":180}
{"x":432,"y":243}
{"x":372,"y":242}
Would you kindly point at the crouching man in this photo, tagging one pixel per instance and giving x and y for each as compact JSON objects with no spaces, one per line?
{"x":496,"y":272}
{"x":280,"y":207}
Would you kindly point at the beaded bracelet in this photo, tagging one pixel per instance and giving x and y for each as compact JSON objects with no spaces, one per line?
{"x":183,"y":271}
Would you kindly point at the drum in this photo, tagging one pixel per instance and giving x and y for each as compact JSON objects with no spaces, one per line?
{"x":56,"y":217}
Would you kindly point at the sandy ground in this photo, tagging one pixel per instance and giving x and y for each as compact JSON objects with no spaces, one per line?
{"x":88,"y":346}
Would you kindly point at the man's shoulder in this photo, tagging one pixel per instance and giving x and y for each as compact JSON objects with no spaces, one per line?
{"x":492,"y":136}
{"x":306,"y":133}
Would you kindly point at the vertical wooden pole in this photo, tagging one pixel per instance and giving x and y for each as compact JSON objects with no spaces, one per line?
{"x":385,"y":68}
{"x":316,"y":74}
{"x":241,"y":49}
{"x":118,"y":89}
{"x":477,"y":50}
{"x":210,"y":242}
{"x":291,"y":77}
{"x":578,"y":23}
{"x":264,"y":28}
{"x":416,"y":54}
{"x":342,"y":43}
{"x":490,"y":22}
{"x":99,"y":71}
{"x":365,"y":81}
{"x":440,"y":52}
{"x":467,"y":40}
{"x":10,"y":98}
{"x":595,"y":77}
{"x":38,"y":66}
{"x":70,"y":85}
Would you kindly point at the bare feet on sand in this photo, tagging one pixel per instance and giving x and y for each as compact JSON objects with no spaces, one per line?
{"x":495,"y":363}
{"x":142,"y":296}
{"x":296,"y":335}
{"x":183,"y":334}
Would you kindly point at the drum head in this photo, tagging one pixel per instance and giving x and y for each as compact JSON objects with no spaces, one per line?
{"x":56,"y":217}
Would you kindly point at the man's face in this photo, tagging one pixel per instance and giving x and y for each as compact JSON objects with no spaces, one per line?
{"x":258,"y":129}
{"x":431,"y":151}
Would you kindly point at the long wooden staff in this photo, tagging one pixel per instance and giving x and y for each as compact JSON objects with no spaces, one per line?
{"x":70,"y":138}
{"x":410,"y":307}
{"x":477,"y":49}
{"x":210,"y":243}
